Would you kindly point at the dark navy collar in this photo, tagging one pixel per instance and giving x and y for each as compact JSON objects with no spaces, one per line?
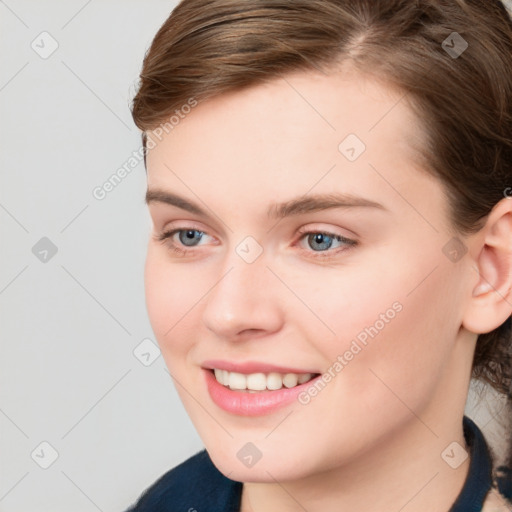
{"x":479,"y":479}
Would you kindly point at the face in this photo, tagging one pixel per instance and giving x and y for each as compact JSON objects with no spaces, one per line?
{"x":302,"y":238}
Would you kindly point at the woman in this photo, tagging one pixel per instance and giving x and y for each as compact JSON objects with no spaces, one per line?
{"x":331,"y":255}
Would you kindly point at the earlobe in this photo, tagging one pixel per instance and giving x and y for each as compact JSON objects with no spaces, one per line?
{"x":491,"y":301}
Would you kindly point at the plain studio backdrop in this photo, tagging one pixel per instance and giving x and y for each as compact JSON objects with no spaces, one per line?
{"x":88,"y":413}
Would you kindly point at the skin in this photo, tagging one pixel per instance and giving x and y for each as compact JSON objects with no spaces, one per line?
{"x":372,"y":439}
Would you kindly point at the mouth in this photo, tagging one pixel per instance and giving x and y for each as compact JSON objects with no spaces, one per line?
{"x":259,"y":381}
{"x":258,"y":393}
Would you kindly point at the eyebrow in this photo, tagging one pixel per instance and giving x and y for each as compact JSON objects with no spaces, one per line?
{"x":296,"y":206}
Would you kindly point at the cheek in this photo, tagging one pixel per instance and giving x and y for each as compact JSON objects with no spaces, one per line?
{"x":170,"y":300}
{"x":401,"y":360}
{"x":345,"y":302}
{"x":396,"y":320}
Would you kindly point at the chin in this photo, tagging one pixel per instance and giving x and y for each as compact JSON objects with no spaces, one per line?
{"x":268,"y":468}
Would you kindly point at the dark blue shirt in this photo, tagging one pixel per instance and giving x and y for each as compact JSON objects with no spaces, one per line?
{"x":196,"y":485}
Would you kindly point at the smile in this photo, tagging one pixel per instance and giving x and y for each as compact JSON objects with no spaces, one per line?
{"x":255,"y":394}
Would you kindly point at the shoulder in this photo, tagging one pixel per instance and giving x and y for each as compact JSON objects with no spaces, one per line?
{"x":195,"y":484}
{"x":496,"y":502}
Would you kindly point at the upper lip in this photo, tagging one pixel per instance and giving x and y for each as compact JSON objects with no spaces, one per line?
{"x":248,"y":367}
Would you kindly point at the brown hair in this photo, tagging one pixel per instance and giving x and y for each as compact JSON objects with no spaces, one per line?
{"x":207,"y":47}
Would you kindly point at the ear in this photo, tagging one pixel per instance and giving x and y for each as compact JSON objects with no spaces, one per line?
{"x":491,"y":302}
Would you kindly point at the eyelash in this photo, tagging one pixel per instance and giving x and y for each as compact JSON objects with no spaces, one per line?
{"x":166,"y":239}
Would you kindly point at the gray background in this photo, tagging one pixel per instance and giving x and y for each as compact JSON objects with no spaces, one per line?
{"x":70,"y":321}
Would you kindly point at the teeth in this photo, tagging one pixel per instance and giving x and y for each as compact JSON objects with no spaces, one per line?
{"x":237,"y":381}
{"x":256,"y":381}
{"x":274,"y":381}
{"x":260,"y":381}
{"x":290,"y":380}
{"x":304,"y":378}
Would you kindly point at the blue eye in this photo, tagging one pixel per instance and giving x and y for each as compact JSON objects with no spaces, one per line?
{"x":322,"y":239}
{"x":320,"y":242}
{"x":187,"y":236}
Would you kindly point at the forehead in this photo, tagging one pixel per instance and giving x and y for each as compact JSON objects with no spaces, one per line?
{"x":306,"y":106}
{"x":302,"y":131}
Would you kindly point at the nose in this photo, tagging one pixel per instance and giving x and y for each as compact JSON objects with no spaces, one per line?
{"x":243,"y":300}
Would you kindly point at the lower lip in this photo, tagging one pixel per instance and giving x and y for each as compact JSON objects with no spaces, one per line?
{"x":252,"y":404}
